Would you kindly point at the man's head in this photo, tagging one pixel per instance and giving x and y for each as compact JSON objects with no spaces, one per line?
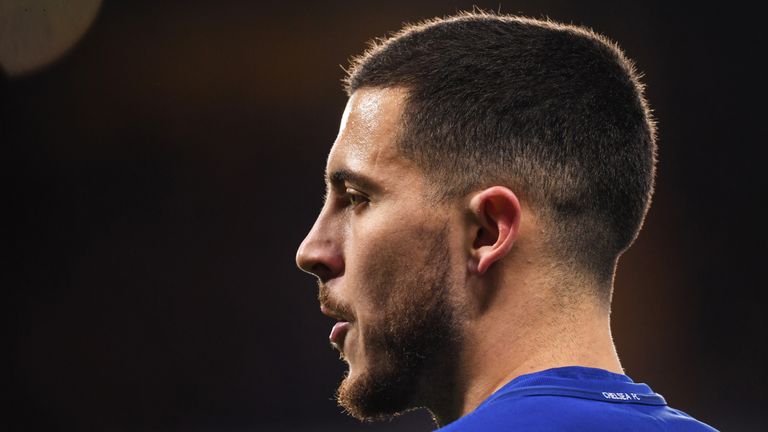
{"x":465,"y":143}
{"x":554,"y":112}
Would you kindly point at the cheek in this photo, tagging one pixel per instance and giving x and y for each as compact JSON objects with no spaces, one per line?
{"x":389,"y":259}
{"x":373,"y":235}
{"x":378,"y":249}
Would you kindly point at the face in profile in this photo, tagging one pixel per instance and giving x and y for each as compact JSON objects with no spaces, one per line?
{"x":382,"y":252}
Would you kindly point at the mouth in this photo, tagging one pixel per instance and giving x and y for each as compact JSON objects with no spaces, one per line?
{"x":339,"y":330}
{"x":338,"y":334}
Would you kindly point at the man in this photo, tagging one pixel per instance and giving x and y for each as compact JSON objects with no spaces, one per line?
{"x":488,"y":172}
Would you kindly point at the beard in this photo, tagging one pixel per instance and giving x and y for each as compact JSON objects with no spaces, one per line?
{"x":414,"y":340}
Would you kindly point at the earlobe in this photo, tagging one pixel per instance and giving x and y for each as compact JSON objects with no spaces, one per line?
{"x":496,"y":213}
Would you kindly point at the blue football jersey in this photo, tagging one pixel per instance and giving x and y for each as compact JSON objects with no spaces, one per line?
{"x":575,"y":399}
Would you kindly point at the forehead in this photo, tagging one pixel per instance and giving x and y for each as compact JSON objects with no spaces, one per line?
{"x":367,"y":140}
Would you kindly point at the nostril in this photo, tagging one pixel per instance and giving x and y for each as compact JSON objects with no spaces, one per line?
{"x":322,"y":271}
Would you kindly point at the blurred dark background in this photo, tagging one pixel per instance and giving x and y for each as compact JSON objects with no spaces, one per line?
{"x":160,"y":175}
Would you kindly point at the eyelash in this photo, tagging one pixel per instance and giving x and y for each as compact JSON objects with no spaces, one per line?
{"x":353,"y":195}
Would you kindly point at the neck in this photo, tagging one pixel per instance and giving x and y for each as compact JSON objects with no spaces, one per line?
{"x":519,"y":334}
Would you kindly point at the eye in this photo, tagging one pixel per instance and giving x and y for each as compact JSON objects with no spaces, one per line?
{"x":355,"y":198}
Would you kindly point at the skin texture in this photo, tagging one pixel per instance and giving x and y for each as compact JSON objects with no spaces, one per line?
{"x":447,"y":301}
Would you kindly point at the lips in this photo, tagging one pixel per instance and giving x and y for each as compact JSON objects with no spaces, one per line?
{"x":338,"y":333}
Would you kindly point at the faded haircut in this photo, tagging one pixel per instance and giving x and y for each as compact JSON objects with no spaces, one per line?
{"x":553,"y":111}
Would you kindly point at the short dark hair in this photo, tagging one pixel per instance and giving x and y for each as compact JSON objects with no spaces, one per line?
{"x":554,"y":111}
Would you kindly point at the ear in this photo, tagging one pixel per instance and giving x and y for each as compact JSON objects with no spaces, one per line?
{"x":496,"y":218}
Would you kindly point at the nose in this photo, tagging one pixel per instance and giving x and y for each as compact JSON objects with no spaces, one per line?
{"x":320,"y":253}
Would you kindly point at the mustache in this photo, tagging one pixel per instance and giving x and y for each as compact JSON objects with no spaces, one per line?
{"x":332,"y":305}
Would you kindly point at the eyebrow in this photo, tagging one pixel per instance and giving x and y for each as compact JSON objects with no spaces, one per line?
{"x":339,"y":177}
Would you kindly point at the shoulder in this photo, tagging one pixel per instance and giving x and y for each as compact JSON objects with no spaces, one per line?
{"x":558,"y":413}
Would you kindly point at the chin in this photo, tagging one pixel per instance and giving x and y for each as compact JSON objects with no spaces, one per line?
{"x":377,"y":392}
